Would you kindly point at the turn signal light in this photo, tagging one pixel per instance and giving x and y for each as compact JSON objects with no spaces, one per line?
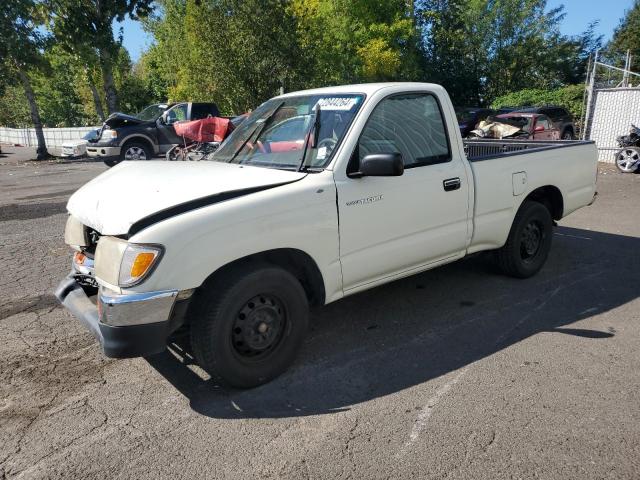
{"x":142,"y":263}
{"x":137,"y":263}
{"x":79,"y":258}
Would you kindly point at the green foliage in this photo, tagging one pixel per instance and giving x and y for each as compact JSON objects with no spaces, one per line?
{"x":569,"y":97}
{"x":14,"y":110}
{"x":59,"y":102}
{"x":85,"y":28}
{"x":238,"y":53}
{"x":350,"y":41}
{"x":627,"y":35}
{"x":482,"y":49}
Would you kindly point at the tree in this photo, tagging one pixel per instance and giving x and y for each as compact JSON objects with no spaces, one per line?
{"x":482,"y":49}
{"x":57,"y":92}
{"x":85,"y":28}
{"x":21,"y":47}
{"x":627,"y":35}
{"x":349,"y":41}
{"x":234,"y":52}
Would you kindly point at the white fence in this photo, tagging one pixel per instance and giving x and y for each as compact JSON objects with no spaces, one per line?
{"x":612,"y":112}
{"x":54,"y":137}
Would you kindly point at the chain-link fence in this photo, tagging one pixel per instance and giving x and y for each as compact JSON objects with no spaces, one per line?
{"x":612,"y":104}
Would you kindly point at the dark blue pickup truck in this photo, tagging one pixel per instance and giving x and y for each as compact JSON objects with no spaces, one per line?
{"x":146,"y":134}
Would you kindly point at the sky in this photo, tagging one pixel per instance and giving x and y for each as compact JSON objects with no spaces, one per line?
{"x":578,"y":15}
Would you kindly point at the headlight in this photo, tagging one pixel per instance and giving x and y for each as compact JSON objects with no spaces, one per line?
{"x":109,"y":134}
{"x":75,"y":235}
{"x":125,"y":264}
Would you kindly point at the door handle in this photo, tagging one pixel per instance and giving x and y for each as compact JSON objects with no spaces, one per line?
{"x":451,"y":184}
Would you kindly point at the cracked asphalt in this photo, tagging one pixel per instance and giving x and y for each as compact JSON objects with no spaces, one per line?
{"x":454,"y":373}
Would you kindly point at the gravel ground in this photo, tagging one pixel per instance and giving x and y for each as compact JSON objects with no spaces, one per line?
{"x":454,"y":373}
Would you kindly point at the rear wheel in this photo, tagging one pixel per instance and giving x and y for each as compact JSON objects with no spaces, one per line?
{"x":529,"y":241}
{"x":248,"y":326}
{"x":567,"y":135}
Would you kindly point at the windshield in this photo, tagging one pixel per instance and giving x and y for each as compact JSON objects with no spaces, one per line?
{"x":522,"y":122}
{"x":274,"y":135}
{"x":151,"y":112}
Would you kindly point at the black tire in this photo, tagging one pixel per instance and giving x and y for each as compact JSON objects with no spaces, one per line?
{"x":529,"y":241}
{"x":112,"y":163}
{"x":134,"y":150}
{"x":567,"y":134}
{"x":228,"y":333}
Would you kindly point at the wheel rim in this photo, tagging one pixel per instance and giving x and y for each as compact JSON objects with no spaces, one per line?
{"x":258,"y":327}
{"x":567,"y":136}
{"x":531,"y":240}
{"x":135,"y":153}
{"x":627,"y":159}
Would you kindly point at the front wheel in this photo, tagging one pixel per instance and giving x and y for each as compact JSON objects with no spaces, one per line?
{"x":529,"y":241}
{"x":135,"y":151}
{"x":627,"y":159}
{"x":247,"y":326}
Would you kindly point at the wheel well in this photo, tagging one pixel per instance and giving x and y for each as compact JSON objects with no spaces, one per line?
{"x":550,"y":197}
{"x":296,"y":262}
{"x":142,"y":140}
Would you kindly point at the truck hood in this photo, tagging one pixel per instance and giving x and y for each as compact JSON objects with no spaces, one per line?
{"x":118,"y":119}
{"x":143,"y":193}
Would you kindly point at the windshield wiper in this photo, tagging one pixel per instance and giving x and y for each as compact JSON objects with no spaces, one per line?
{"x":314,"y":129}
{"x":257,"y":130}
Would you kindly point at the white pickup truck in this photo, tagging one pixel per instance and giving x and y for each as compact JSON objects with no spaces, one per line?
{"x":317,"y":195}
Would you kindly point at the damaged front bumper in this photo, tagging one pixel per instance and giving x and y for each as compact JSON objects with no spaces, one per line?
{"x":126,"y":325}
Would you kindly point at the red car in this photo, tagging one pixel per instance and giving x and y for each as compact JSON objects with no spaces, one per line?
{"x":536,"y":125}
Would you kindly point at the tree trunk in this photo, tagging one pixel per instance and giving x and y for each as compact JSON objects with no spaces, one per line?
{"x":41,"y":151}
{"x":96,"y":98}
{"x":110,"y":93}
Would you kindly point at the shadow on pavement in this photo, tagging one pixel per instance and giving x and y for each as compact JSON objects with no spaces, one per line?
{"x":408,"y":332}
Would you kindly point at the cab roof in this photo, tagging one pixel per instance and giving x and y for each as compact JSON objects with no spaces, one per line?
{"x":365,"y":88}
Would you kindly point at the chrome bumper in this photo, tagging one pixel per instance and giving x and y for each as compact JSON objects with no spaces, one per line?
{"x":98,"y":151}
{"x":130,"y":325}
{"x":134,"y":309}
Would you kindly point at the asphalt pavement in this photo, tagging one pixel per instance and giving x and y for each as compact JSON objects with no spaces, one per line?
{"x":456,"y":373}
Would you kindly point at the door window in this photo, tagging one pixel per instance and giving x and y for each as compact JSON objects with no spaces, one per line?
{"x":544,"y":122}
{"x":203,"y":110}
{"x":409,"y":124}
{"x":177,"y":114}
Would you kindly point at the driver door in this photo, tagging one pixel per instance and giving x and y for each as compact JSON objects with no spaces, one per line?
{"x":167,"y":136}
{"x":393,"y":226}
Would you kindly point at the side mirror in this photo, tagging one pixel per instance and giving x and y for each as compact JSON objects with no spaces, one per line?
{"x":163,"y":118}
{"x":380,"y":165}
{"x":539,"y":128}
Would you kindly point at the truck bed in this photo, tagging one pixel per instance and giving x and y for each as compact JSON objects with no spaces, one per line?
{"x":499,"y":184}
{"x":478,"y":150}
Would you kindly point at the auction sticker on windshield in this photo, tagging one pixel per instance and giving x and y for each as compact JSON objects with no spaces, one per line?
{"x":337,"y":103}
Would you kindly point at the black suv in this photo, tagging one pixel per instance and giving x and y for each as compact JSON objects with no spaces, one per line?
{"x":146,"y":134}
{"x":561,"y":118}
